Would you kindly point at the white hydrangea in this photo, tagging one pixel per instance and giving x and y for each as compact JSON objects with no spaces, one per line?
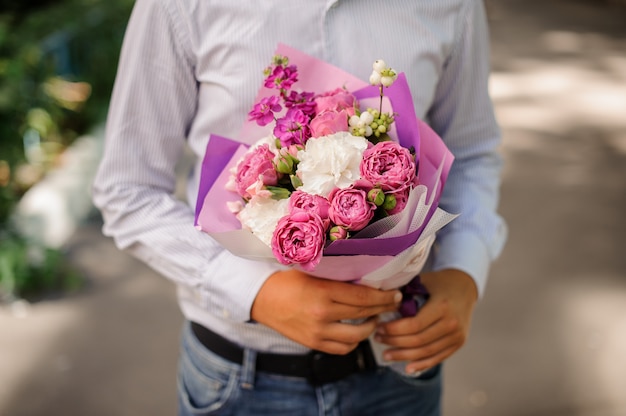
{"x":260,"y":216}
{"x":330,"y":162}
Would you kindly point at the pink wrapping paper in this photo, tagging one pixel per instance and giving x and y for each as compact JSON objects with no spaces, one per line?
{"x":366,"y":254}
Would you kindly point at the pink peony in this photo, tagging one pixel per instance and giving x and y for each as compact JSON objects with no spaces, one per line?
{"x":329,"y":122}
{"x":256,"y":170}
{"x":350,"y":208}
{"x":389,"y":166}
{"x":336,"y":100}
{"x":315,"y":204}
{"x":299,"y":238}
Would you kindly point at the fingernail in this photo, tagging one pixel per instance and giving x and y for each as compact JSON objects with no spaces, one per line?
{"x":397,"y":298}
{"x":380,"y":330}
{"x":387,"y":356}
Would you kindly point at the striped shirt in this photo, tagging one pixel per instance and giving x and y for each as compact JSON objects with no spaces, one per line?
{"x":190,"y":68}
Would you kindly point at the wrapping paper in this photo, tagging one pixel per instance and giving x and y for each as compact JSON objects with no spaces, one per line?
{"x":386,"y":254}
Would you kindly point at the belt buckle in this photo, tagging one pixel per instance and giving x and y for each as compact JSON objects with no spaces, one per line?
{"x":320,"y":372}
{"x":327,"y":368}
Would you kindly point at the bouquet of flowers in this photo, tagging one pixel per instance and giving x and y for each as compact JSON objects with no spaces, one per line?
{"x":336,"y":177}
{"x":340,"y":178}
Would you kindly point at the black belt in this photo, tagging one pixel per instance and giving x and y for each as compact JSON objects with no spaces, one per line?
{"x":317,"y":367}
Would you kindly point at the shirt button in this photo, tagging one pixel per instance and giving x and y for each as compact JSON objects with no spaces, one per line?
{"x":225,"y":313}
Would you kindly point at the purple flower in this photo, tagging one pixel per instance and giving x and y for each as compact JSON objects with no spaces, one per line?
{"x":299,"y":238}
{"x":414,"y":295}
{"x":263,"y":111}
{"x":301,"y":100}
{"x":350,"y":208}
{"x":282,"y":77}
{"x":293,"y":128}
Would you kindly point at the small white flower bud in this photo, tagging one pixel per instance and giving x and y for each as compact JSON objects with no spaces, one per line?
{"x":379,"y":65}
{"x":375,"y":78}
{"x":386,"y":81}
{"x":354,"y":120}
{"x":367,"y":117}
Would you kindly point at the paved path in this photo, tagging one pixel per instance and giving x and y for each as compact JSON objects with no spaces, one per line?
{"x":549,"y":339}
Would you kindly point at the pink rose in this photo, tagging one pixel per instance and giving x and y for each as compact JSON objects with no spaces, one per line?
{"x":335,"y":100}
{"x":329,"y":122}
{"x":255,"y":171}
{"x":350,"y":208}
{"x":315,"y":204}
{"x":389,"y":166}
{"x":299,"y":238}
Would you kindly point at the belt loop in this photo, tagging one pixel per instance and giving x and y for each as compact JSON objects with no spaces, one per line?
{"x":248,"y":369}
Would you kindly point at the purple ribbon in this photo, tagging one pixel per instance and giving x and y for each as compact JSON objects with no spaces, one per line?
{"x":414,"y":296}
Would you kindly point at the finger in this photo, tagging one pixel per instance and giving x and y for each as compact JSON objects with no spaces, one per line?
{"x":336,"y":348}
{"x":342,"y":312}
{"x":349,"y":333}
{"x":426,"y":352}
{"x":421,"y":365}
{"x":341,"y":338}
{"x":430,"y":314}
{"x":436,"y":331}
{"x":359,"y":295}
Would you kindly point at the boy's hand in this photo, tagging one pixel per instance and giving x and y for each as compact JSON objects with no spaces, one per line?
{"x":309,"y":310}
{"x":440,"y":327}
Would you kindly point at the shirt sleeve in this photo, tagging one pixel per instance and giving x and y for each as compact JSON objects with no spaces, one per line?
{"x":152,"y":107}
{"x":463,"y":115}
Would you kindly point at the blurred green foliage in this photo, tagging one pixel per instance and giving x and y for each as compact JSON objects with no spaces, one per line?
{"x":57,"y":66}
{"x":31,"y":271}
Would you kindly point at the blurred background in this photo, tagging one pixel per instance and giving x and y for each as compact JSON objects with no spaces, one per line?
{"x":85,"y":329}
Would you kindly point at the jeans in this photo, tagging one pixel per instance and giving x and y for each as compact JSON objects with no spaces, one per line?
{"x":211,"y":385}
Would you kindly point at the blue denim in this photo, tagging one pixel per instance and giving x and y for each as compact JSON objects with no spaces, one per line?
{"x":210,"y":385}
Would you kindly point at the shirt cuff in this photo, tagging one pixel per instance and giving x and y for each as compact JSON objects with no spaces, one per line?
{"x":233,"y":284}
{"x":465,"y":252}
